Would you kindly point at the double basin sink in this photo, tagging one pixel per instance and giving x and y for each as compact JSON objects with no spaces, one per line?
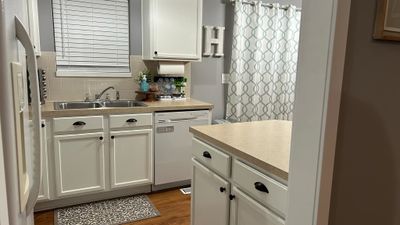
{"x":98,"y":104}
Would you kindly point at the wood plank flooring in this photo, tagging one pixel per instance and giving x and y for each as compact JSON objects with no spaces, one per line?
{"x":172,"y":204}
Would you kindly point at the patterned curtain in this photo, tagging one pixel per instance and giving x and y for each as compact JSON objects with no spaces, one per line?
{"x":264,"y":62}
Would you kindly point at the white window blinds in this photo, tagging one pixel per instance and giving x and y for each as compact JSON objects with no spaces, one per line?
{"x":92,"y":35}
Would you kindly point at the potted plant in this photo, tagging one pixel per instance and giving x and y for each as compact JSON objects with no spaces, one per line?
{"x":143,"y":79}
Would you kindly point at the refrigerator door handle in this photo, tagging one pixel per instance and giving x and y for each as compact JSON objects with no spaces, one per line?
{"x":23,"y":36}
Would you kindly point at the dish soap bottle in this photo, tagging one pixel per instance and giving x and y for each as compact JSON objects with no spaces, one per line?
{"x":144,"y":86}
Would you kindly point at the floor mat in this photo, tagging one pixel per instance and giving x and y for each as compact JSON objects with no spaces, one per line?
{"x":108,"y":212}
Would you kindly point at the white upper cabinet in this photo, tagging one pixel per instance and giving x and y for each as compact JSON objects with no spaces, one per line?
{"x":172,"y":29}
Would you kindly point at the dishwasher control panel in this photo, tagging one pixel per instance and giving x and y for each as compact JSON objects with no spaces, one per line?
{"x":167,"y":129}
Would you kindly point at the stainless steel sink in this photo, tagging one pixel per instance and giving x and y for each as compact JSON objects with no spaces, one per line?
{"x":77,"y":105}
{"x":123,"y":103}
{"x":97,"y":104}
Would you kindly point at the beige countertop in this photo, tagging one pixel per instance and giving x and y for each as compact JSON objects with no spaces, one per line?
{"x":265,"y":144}
{"x":48,"y":110}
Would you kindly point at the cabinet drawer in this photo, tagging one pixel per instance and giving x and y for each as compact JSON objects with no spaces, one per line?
{"x":212,"y":157}
{"x":263,"y":188}
{"x":131,"y":120}
{"x":68,"y":124}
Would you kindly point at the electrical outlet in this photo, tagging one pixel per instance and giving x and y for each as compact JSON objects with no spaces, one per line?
{"x":225,"y":78}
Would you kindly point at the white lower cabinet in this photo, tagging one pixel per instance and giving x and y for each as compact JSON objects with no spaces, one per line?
{"x":210,"y":197}
{"x":79,"y":162}
{"x":246,"y":211}
{"x":131,"y":158}
{"x":247,"y":197}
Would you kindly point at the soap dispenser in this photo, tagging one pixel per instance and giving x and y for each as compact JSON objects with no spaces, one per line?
{"x":144,"y":86}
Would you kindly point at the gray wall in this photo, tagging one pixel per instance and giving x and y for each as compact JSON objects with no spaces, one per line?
{"x":206,"y":75}
{"x":367,"y":166}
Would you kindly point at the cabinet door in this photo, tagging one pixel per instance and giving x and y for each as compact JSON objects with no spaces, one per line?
{"x":177,"y":29}
{"x":44,"y":187}
{"x":210,"y":197}
{"x":246,"y":211}
{"x":131,"y":158}
{"x":79,"y":161}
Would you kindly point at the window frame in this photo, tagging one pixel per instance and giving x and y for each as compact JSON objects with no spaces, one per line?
{"x":88,"y":73}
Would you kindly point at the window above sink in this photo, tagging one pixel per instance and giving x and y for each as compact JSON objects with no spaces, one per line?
{"x":91,"y":38}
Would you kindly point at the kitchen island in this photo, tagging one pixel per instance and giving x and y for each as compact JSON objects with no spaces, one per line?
{"x":240,"y":173}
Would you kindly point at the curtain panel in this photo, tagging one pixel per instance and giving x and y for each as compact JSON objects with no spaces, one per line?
{"x":264,"y":62}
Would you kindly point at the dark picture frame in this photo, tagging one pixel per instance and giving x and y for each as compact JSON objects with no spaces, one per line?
{"x":387,"y":21}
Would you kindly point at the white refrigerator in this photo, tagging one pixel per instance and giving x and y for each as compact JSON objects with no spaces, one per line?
{"x":20,"y":160}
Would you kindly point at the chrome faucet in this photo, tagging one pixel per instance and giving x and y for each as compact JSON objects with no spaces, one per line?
{"x":98,"y":96}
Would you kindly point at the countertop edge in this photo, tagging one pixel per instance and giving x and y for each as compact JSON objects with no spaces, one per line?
{"x":240,"y":154}
{"x":196,"y":105}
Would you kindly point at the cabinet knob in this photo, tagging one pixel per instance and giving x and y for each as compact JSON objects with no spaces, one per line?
{"x":101,"y":138}
{"x":79,"y":123}
{"x":131,"y":120}
{"x":207,"y":155}
{"x":231,"y":197}
{"x":43,"y":125}
{"x":112,"y":137}
{"x":261,"y":187}
{"x":155,"y":53}
{"x":222,"y":189}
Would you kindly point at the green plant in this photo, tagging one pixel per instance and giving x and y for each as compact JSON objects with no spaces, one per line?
{"x":180,"y":82}
{"x":140,"y":76}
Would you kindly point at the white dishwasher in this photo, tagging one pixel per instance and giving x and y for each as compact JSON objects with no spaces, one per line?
{"x":172,"y":146}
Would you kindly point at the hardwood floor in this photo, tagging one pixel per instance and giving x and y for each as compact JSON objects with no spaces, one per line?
{"x":174,"y":208}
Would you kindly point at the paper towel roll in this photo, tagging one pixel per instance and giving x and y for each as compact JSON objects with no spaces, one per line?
{"x":171,"y":68}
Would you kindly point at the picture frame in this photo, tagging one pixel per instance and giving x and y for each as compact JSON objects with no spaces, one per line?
{"x":387,"y":21}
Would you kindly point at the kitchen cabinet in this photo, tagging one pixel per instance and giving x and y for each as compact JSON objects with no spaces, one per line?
{"x":249,"y":196}
{"x":79,"y":162}
{"x":131,"y":158}
{"x":172,"y":29}
{"x":210,"y":197}
{"x":102,"y":153}
{"x":246,"y":211}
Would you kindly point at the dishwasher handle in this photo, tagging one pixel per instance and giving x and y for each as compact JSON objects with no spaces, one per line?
{"x":176,"y":120}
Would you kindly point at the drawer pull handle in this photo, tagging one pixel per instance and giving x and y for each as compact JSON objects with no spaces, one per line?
{"x":261,"y":187}
{"x":79,"y":123}
{"x":231,"y":197}
{"x":207,"y":155}
{"x":131,"y":121}
{"x":222,"y":189}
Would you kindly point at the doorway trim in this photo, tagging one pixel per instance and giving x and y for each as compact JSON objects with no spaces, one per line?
{"x":322,"y":50}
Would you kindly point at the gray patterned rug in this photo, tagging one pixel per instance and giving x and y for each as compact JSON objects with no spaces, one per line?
{"x":108,"y":212}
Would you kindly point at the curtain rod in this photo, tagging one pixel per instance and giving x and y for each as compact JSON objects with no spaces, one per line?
{"x":269,"y":5}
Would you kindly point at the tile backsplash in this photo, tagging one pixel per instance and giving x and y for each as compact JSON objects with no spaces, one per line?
{"x":76,"y":88}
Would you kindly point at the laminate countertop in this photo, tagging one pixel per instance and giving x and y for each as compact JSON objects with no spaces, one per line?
{"x":48,"y":110}
{"x":266,"y":144}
